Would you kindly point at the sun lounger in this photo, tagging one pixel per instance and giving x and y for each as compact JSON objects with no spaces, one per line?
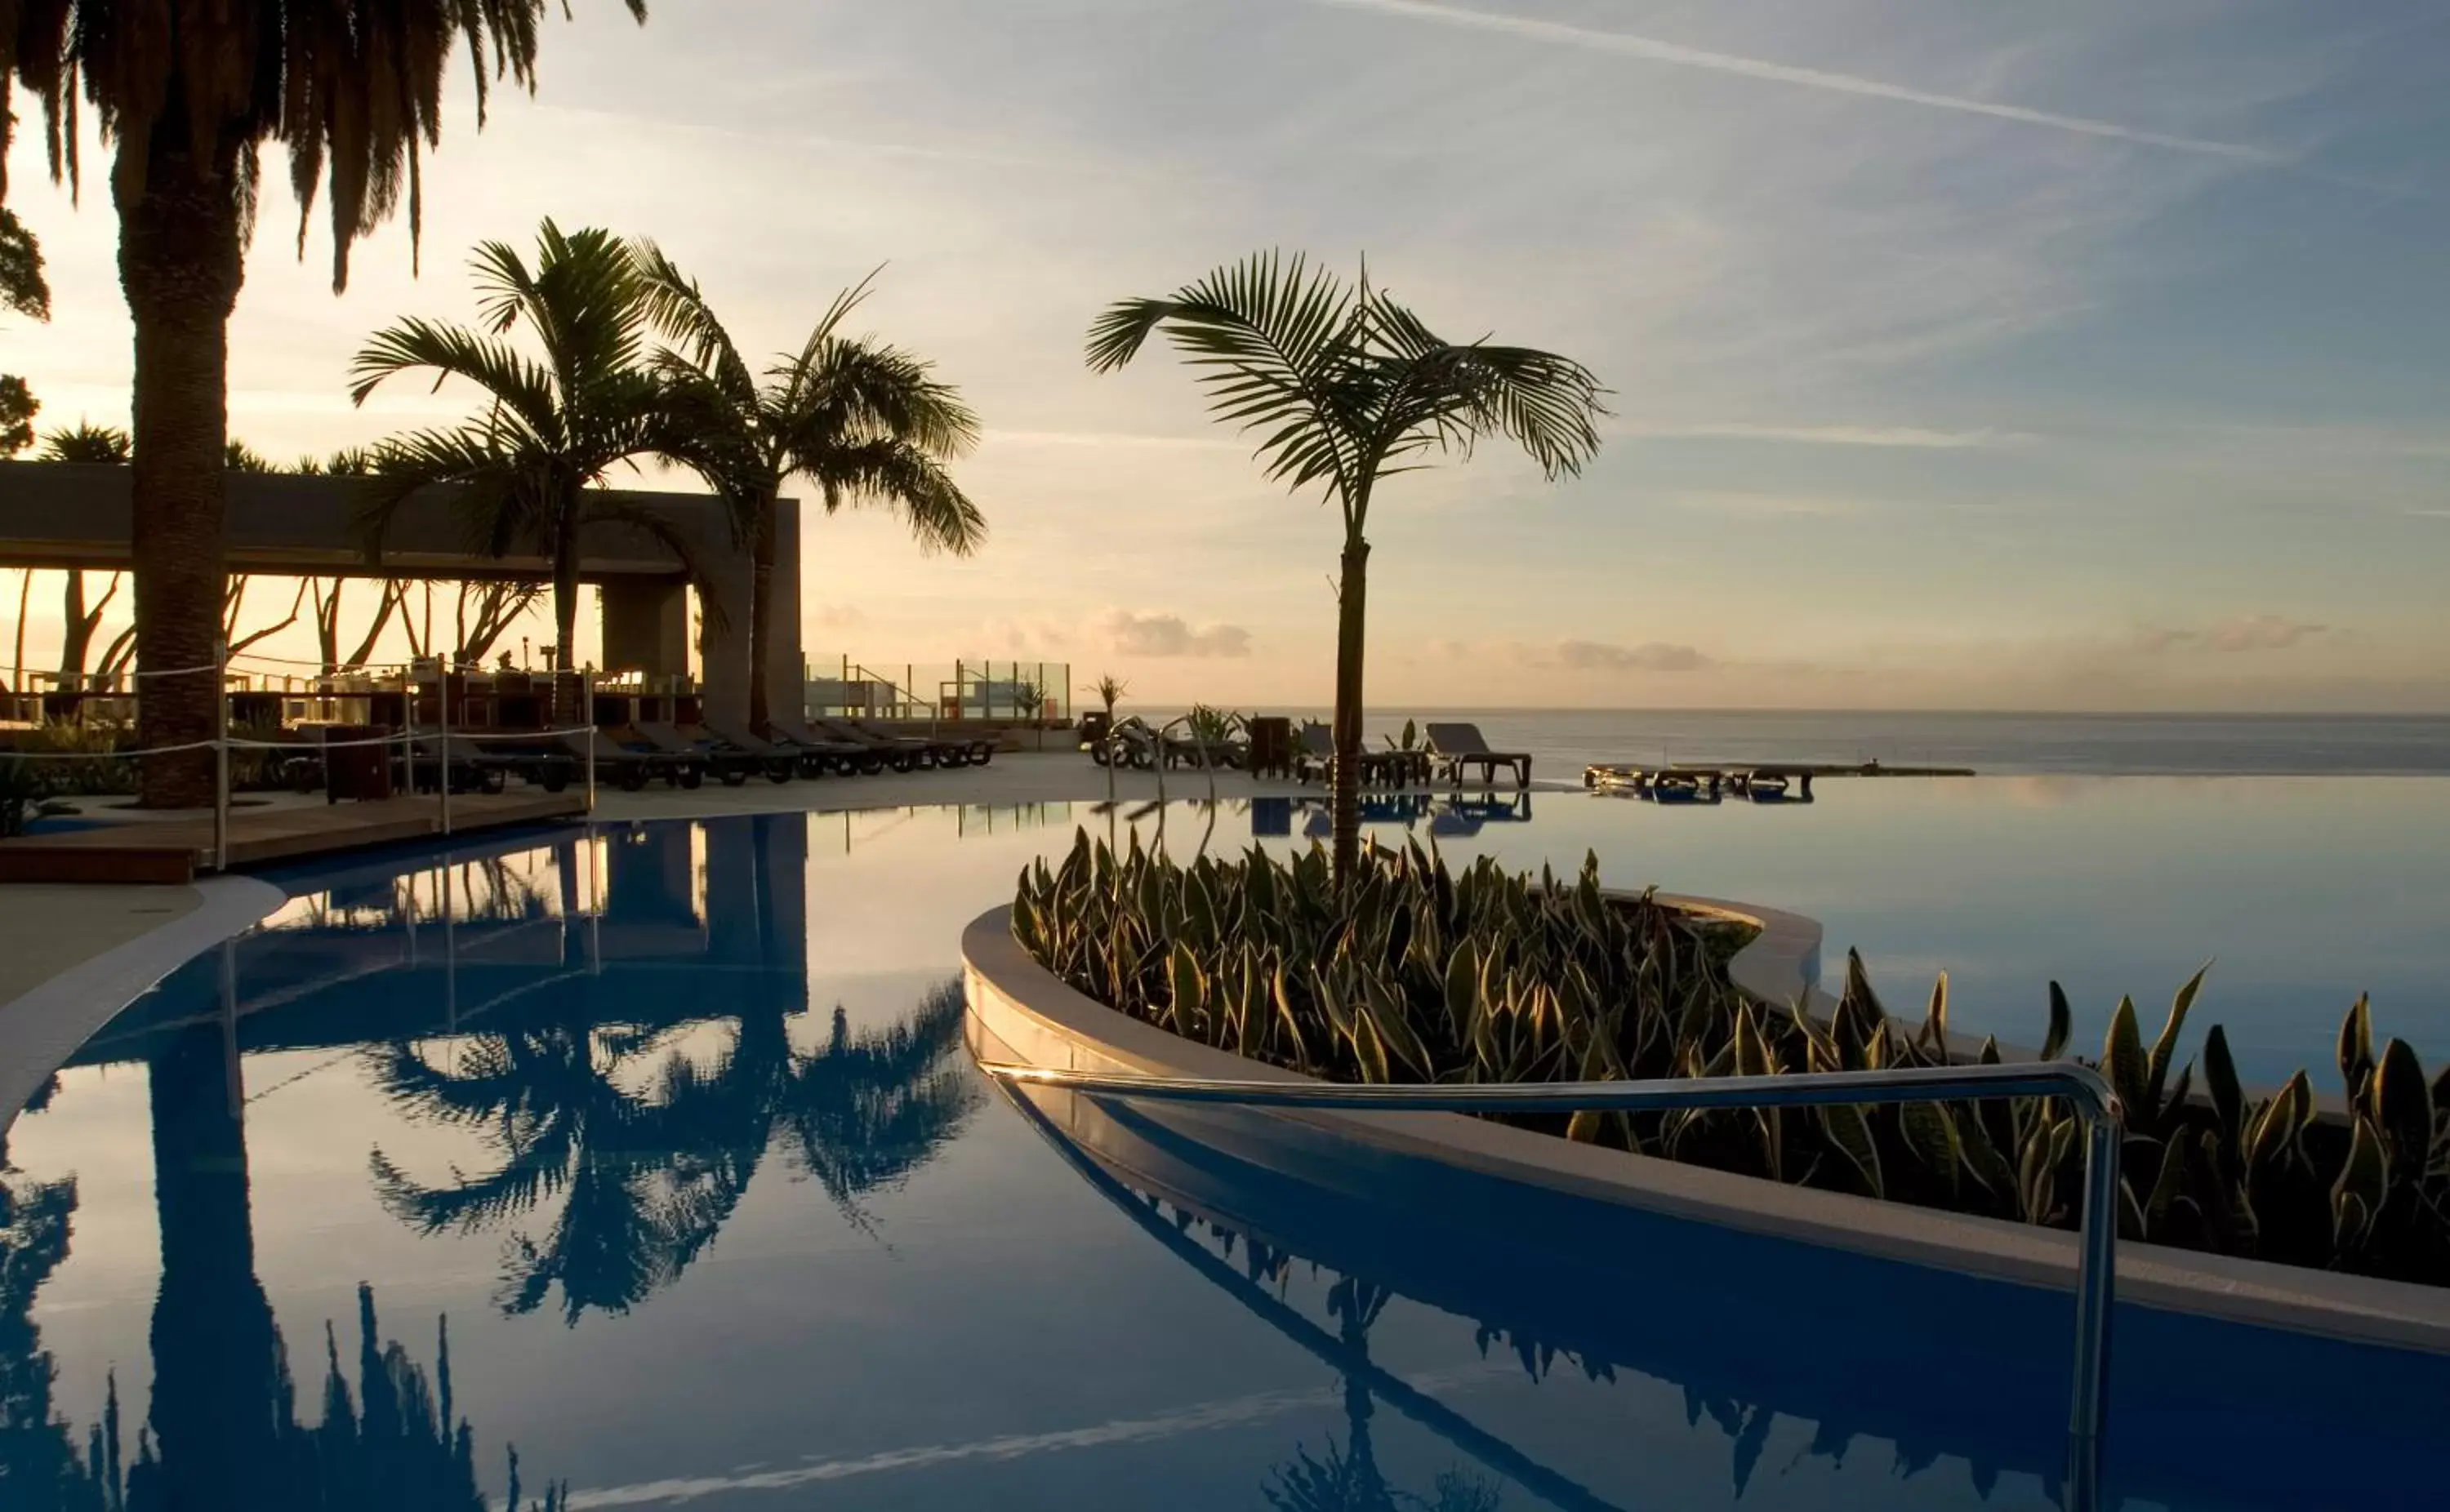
{"x":900,"y":752}
{"x":730,"y":767}
{"x":630,"y":764}
{"x":821,"y":753}
{"x":779,"y":764}
{"x":1459,"y":747}
{"x":1316,"y":758}
{"x":951,"y":751}
{"x":480,"y":767}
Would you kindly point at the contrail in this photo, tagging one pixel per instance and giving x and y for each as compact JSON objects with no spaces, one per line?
{"x":1626,"y":44}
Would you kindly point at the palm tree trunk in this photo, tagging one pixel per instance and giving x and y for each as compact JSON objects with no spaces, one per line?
{"x":565,"y":595}
{"x":761,"y":611}
{"x":77,"y":632}
{"x":180,"y":267}
{"x":1352,"y":595}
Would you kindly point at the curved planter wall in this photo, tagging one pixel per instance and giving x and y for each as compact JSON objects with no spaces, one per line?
{"x":1023,"y":1013}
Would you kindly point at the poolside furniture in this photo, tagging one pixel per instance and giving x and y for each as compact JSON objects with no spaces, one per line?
{"x":902,"y":753}
{"x":819,"y":752}
{"x":1316,"y":758}
{"x":731,"y":766}
{"x":630,"y":765}
{"x":1459,"y":747}
{"x":1271,"y":745}
{"x":951,"y":751}
{"x":780,"y":765}
{"x":462,"y":763}
{"x":352,"y":769}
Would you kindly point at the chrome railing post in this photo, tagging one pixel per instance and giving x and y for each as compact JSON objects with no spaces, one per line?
{"x":2094,"y":1100}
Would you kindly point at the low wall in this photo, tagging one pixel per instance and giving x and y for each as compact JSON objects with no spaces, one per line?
{"x":1021,"y":1009}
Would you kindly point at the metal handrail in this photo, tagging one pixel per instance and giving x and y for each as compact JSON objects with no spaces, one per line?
{"x":2096,"y":1103}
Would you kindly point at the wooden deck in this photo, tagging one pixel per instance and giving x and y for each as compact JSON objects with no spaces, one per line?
{"x":172,"y":850}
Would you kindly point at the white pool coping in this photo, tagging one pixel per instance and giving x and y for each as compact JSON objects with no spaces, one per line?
{"x":1029,"y":1013}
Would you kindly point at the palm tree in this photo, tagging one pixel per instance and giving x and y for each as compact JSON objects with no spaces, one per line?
{"x":552,"y":427}
{"x":648,"y":1178}
{"x":24,"y":291}
{"x":866,"y":423}
{"x":1349,"y":388}
{"x":188,"y":93}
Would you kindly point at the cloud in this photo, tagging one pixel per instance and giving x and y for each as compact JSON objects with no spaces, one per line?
{"x":1886,"y":435}
{"x":1650,"y":656}
{"x":837,"y":616}
{"x":1651,"y":49}
{"x":2250,"y":632}
{"x":1169,"y":635}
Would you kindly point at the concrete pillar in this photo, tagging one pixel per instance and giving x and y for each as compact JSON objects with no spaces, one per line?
{"x":786,"y":680}
{"x":723,"y":639}
{"x":646,"y":626}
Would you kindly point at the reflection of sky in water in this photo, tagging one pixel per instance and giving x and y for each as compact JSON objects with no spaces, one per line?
{"x":2302,"y":892}
{"x":789,"y":1264}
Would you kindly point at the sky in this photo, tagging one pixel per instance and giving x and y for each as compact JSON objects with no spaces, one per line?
{"x":2088,"y":355}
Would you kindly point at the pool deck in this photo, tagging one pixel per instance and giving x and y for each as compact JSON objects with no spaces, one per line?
{"x":169,"y":850}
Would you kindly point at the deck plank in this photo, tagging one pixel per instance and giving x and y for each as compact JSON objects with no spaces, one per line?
{"x":172,"y":850}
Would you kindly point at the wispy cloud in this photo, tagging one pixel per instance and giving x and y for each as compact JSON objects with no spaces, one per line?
{"x":1127,"y":633}
{"x":1650,"y":656}
{"x":2250,"y":632}
{"x":1896,"y":436}
{"x":1655,"y":51}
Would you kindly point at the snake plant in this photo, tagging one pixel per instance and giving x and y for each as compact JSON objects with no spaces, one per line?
{"x":1411,"y":971}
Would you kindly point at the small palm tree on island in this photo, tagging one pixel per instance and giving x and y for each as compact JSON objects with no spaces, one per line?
{"x":527,"y":468}
{"x":188,"y":95}
{"x":868,"y":425}
{"x":1348,"y":389}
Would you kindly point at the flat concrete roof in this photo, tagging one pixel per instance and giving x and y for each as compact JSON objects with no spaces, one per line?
{"x":78,"y":514}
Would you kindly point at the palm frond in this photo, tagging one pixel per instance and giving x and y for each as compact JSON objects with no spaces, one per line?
{"x":896,"y":475}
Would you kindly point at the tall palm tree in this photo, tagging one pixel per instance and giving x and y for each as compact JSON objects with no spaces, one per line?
{"x":188,"y":92}
{"x":866,"y":424}
{"x":553,"y":427}
{"x":23,"y":291}
{"x":1349,"y":388}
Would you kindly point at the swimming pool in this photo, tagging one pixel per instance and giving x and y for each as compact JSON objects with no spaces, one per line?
{"x":657,"y":1158}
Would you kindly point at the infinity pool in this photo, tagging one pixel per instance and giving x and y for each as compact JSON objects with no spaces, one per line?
{"x":651,"y":1157}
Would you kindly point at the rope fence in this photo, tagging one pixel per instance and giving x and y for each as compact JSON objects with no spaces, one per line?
{"x":415,"y":747}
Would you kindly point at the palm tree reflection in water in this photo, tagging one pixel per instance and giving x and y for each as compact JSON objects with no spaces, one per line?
{"x":648,"y":1177}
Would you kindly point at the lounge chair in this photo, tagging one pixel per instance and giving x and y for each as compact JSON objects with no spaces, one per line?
{"x":730,"y":767}
{"x":631,"y":764}
{"x":900,"y":752}
{"x":951,"y":751}
{"x":463,"y":763}
{"x":821,"y":753}
{"x":1460,"y":746}
{"x":1316,"y":758}
{"x":780,"y":765}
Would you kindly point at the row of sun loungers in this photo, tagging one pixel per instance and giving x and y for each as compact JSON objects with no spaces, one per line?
{"x":631,"y":757}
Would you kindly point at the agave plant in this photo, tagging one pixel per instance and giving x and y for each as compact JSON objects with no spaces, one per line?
{"x":1412,"y":972}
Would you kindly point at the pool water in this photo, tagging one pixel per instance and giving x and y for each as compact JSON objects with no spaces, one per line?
{"x":645,"y":1166}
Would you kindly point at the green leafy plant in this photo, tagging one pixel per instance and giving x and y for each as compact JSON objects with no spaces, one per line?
{"x":1412,"y":971}
{"x":25,"y":795}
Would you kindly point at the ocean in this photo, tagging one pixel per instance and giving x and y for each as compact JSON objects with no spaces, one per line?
{"x":1563,"y":741}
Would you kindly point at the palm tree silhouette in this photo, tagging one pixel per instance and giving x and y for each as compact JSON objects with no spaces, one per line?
{"x":551,"y":429}
{"x":648,"y":1178}
{"x":868,"y":424}
{"x":224,"y":1429}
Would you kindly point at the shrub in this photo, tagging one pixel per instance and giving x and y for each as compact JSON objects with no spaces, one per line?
{"x":1414,"y":973}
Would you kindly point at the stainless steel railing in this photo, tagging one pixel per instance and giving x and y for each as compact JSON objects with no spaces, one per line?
{"x":2094,"y":1100}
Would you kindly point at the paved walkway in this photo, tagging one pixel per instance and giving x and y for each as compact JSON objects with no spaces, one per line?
{"x":47,"y":929}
